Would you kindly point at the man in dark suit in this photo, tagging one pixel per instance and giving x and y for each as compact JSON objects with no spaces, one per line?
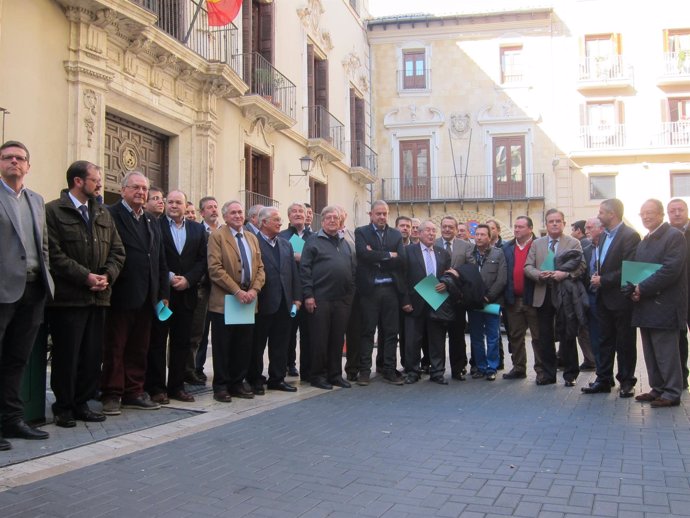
{"x":26,"y":282}
{"x":554,"y":244}
{"x":143,"y":282}
{"x":618,"y":339}
{"x":419,"y":261}
{"x":184,"y":243}
{"x":236,"y":272}
{"x":282,"y":291}
{"x":298,"y":227}
{"x":460,"y":253}
{"x":660,"y":306}
{"x":379,"y":285}
{"x":678,"y":217}
{"x":86,"y":256}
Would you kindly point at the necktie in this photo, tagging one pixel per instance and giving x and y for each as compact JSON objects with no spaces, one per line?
{"x":450,"y":250}
{"x":245,"y":261}
{"x":379,"y":233}
{"x":552,"y":245}
{"x":428,"y":262}
{"x":84,"y":212}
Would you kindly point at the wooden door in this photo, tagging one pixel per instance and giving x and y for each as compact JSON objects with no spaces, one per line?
{"x":509,"y":167}
{"x":415,"y":179}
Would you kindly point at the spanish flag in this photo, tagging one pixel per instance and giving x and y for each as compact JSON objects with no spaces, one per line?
{"x":222,"y":12}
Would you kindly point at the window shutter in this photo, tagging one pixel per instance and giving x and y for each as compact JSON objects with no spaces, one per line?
{"x":619,"y":111}
{"x":247,"y":26}
{"x":583,"y":115}
{"x":311,"y":97}
{"x":266,"y":31}
{"x":665,"y":34}
{"x":321,"y":82}
{"x":665,"y":111}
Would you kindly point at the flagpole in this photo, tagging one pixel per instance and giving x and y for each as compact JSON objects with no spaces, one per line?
{"x":189,"y":31}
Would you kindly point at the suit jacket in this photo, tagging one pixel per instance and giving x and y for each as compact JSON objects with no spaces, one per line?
{"x":415,"y":271}
{"x":225,"y":266}
{"x":622,"y":248}
{"x":191,"y":263}
{"x":145,"y":265}
{"x":12,"y":252}
{"x":462,"y":252}
{"x":494,"y":274}
{"x":509,"y":294}
{"x":374,"y":259}
{"x":537,"y":253}
{"x":663,"y":295}
{"x":282,"y":277}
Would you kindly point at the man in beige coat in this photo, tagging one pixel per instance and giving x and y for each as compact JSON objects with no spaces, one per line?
{"x":235,"y":269}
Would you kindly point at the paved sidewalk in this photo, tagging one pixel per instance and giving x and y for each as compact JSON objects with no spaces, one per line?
{"x":471,"y":449}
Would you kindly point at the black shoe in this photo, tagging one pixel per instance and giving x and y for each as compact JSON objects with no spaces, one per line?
{"x":292,"y":371}
{"x":598,"y":387}
{"x":393,"y":378}
{"x":201,"y":375}
{"x":222,"y":397}
{"x":587,"y":367}
{"x":143,"y":402}
{"x":411,"y":378}
{"x":546,"y":381}
{"x":352,"y":376}
{"x":321,"y":384}
{"x":439,"y":379}
{"x":89,"y":416}
{"x":64,"y":420}
{"x":569,"y":383}
{"x":491,"y":376}
{"x":460,"y":376}
{"x":258,"y":389}
{"x":5,"y":445}
{"x":282,"y":386}
{"x":626,"y":392}
{"x":21,"y":430}
{"x":241,"y":392}
{"x":193,"y":379}
{"x":512,"y":375}
{"x":340,"y":382}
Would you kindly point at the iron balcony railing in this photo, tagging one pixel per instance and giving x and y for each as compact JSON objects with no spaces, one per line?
{"x":604,"y":68}
{"x":674,"y":134}
{"x":602,"y":136}
{"x":265,"y":80}
{"x":254,"y":198}
{"x":187,"y":22}
{"x":677,"y":63}
{"x":362,"y":155}
{"x":323,"y":125}
{"x":470,"y":188}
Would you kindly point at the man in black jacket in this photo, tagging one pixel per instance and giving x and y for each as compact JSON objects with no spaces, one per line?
{"x":142,"y":284}
{"x":184,"y":243}
{"x":86,"y":256}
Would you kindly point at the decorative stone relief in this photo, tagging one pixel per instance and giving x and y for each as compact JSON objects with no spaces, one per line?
{"x":90,"y":103}
{"x":78,"y":14}
{"x":310,"y":17}
{"x":163,"y":61}
{"x":413,"y":116}
{"x":130,"y":65}
{"x":459,"y":124}
{"x":505,"y":110}
{"x":351,"y":63}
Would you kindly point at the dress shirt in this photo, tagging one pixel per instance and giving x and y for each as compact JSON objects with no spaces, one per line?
{"x":429,"y":259}
{"x":609,"y":236}
{"x":247,"y":250}
{"x":179,"y":234}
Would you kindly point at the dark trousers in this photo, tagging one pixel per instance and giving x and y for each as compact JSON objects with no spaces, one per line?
{"x":416,"y":328}
{"x":199,"y":331}
{"x":19,"y":325}
{"x":300,"y":323}
{"x":202,"y":349}
{"x":274,"y":329}
{"x":379,"y":308}
{"x":353,"y":337}
{"x":232,"y":351}
{"x":594,"y":328}
{"x":126,"y":346}
{"x":683,"y":348}
{"x":327,"y":326}
{"x":77,"y":352}
{"x":457,"y":346}
{"x":179,"y":328}
{"x":617,"y":339}
{"x":547,"y":347}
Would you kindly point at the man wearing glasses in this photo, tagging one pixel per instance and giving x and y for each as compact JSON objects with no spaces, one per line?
{"x":143,"y":282}
{"x":25,"y":284}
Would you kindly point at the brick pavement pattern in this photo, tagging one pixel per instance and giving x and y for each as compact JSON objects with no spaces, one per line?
{"x":471,"y":449}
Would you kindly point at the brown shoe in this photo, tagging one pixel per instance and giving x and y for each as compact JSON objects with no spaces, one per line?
{"x":363,"y":379}
{"x":181,"y":395}
{"x":161,"y":398}
{"x":647,"y":397}
{"x":664,"y":403}
{"x":222,"y":396}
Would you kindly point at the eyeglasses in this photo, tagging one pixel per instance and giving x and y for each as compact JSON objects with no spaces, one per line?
{"x":18,"y":158}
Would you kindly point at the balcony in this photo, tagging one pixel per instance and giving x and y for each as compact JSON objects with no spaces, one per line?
{"x":470,"y":188}
{"x":415,"y":84}
{"x":271,"y":95}
{"x":363,"y":162}
{"x":325,"y":134}
{"x":608,"y":72}
{"x":602,"y":136}
{"x":676,"y":69}
{"x":674,"y":134}
{"x":254,"y":198}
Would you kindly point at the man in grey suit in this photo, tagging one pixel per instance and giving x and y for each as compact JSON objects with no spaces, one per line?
{"x":26,"y":283}
{"x":547,"y":278}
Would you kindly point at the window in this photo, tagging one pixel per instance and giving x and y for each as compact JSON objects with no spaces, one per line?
{"x":602,"y":187}
{"x":317,"y":93}
{"x":414,"y":170}
{"x":676,"y":119}
{"x":414,"y":70}
{"x":602,"y":124}
{"x":602,"y":57}
{"x":511,"y":64}
{"x":358,"y":153}
{"x":509,"y":167}
{"x":680,"y":184}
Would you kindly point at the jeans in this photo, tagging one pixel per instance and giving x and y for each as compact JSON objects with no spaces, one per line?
{"x":484,"y":325}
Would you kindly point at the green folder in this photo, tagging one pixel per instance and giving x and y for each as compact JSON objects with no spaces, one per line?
{"x":238,"y":313}
{"x":427,"y":290}
{"x":297,"y":243}
{"x":635,"y":272}
{"x":491,"y":309}
{"x":548,"y":264}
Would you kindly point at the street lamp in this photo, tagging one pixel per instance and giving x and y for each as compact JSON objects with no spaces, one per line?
{"x":305,"y":163}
